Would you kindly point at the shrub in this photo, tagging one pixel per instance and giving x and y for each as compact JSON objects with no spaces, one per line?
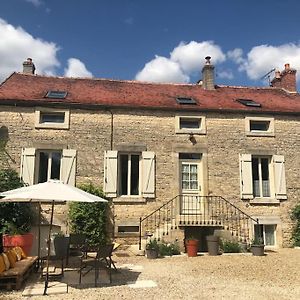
{"x":168,"y":249}
{"x":230,"y":247}
{"x":152,"y":245}
{"x":15,"y":218}
{"x":295,"y":215}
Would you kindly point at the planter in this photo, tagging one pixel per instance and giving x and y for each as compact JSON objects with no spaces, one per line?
{"x":61,"y":245}
{"x":151,"y":253}
{"x":213,"y":244}
{"x":258,"y":250}
{"x":25,"y":241}
{"x":192,"y":247}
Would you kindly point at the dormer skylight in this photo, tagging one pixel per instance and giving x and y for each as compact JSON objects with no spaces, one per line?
{"x":249,"y":102}
{"x":56,"y":94}
{"x":185,"y":100}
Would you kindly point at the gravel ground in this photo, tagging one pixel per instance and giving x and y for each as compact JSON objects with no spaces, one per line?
{"x":274,"y":276}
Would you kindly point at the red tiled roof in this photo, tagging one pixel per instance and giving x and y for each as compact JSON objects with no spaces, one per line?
{"x":24,"y":88}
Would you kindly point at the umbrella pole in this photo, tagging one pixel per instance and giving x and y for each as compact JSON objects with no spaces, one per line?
{"x":48,"y":255}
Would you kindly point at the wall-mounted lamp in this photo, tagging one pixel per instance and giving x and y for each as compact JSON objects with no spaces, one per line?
{"x":192,"y":139}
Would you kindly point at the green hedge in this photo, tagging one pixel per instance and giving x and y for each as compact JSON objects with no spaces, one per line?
{"x":295,"y":214}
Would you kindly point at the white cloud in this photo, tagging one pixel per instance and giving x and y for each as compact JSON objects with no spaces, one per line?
{"x":263,"y":58}
{"x":191,"y":56}
{"x":162,"y":69}
{"x":236,"y":55}
{"x":16,"y":45}
{"x":185,"y":59}
{"x":36,"y":3}
{"x":76,"y":68}
{"x":226,"y":74}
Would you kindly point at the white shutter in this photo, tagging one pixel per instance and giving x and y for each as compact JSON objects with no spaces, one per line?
{"x":110,"y":173}
{"x":148,"y":174}
{"x":246,"y":176}
{"x":27,"y":165}
{"x":279,"y":177}
{"x":68,"y":166}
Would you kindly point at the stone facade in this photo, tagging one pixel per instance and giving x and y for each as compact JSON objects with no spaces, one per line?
{"x":91,"y":132}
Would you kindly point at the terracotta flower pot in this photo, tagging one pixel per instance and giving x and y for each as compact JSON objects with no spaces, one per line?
{"x":192,"y":247}
{"x":25,"y":241}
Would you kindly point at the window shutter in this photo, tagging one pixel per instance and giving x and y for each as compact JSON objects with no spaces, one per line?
{"x":246,"y":176}
{"x":279,"y":176}
{"x":148,"y":174}
{"x":110,"y":173}
{"x":68,"y":166}
{"x":27,"y":165}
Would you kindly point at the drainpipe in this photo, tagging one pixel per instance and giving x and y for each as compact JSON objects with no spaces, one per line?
{"x":111,"y":129}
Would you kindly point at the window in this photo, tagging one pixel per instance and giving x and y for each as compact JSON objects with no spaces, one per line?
{"x":190,"y":124}
{"x":259,"y":126}
{"x":185,"y":100}
{"x":266,"y":232}
{"x":129,"y":169}
{"x":249,"y":102}
{"x":129,"y":174}
{"x":128,"y":229}
{"x":40,"y":165}
{"x":56,"y":94}
{"x":262,"y":177}
{"x":189,"y":176}
{"x":52,"y":118}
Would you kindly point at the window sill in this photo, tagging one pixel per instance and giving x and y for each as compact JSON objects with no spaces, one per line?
{"x":264,"y":201}
{"x":129,"y":199}
{"x":258,"y":133}
{"x":189,"y":131}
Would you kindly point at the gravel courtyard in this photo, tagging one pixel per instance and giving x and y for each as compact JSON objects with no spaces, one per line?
{"x":274,"y":276}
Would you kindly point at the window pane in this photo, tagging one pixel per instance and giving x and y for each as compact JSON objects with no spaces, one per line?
{"x":190,"y":123}
{"x":194,"y":185}
{"x":259,"y":125}
{"x":258,"y":231}
{"x":134,"y":180}
{"x":270,"y":235}
{"x":43,"y":167}
{"x":255,"y":177}
{"x":265,"y":177}
{"x":185,"y":185}
{"x":123,"y":173}
{"x":194,"y":169}
{"x":55,"y":165}
{"x":52,"y":117}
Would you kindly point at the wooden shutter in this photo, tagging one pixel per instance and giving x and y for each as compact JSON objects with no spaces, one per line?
{"x":68,"y":166}
{"x":279,"y":177}
{"x":27,"y":165}
{"x":246,"y":184}
{"x":110,"y":173}
{"x":148,"y":174}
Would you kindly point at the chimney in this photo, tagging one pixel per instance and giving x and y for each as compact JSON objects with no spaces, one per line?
{"x":208,"y":76}
{"x":285,"y":79}
{"x":28,"y":66}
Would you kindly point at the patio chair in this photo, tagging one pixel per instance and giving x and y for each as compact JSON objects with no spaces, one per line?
{"x":77,"y":242}
{"x":101,"y":259}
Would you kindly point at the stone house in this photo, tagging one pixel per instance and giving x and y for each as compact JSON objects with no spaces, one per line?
{"x":195,"y":157}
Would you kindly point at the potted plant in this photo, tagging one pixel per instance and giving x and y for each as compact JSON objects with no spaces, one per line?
{"x":61,"y":244}
{"x":152,"y":249}
{"x":192,"y":246}
{"x":16,"y":218}
{"x":213,"y":243}
{"x":257,"y":247}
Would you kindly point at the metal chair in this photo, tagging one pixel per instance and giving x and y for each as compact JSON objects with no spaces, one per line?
{"x":76,"y":242}
{"x":101,"y":259}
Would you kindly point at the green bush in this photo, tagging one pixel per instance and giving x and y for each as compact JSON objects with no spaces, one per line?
{"x":15,"y":218}
{"x":295,"y":215}
{"x":168,"y":249}
{"x":90,"y":218}
{"x":230,"y":247}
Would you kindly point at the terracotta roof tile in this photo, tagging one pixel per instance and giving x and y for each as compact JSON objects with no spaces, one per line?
{"x":32,"y":88}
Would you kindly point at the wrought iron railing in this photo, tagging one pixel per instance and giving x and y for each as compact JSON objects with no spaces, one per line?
{"x":184,"y":210}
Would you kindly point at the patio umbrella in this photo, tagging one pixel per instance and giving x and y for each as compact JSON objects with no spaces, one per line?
{"x":52,"y":191}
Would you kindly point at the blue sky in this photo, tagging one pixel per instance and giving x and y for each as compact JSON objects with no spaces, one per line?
{"x":157,"y":40}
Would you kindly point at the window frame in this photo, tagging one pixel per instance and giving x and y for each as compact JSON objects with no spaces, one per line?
{"x":51,"y":125}
{"x":201,"y":119}
{"x":264,"y":233}
{"x":270,"y":132}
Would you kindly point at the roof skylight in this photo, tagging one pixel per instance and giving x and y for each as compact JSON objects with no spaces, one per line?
{"x":56,"y":94}
{"x":185,"y":100}
{"x":249,"y":102}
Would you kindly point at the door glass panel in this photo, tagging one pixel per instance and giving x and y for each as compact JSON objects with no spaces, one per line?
{"x":43,"y":166}
{"x":134,"y":182}
{"x":55,"y":165}
{"x":270,"y":235}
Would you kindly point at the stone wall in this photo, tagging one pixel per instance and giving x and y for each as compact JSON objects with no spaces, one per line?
{"x":91,"y":134}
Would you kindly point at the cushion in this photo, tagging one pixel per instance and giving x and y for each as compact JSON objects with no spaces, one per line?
{"x":6,"y":261}
{"x":23,"y":254}
{"x":2,"y":264}
{"x":12,"y":257}
{"x":18,"y":251}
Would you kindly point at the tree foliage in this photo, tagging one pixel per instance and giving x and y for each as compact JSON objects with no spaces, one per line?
{"x":90,"y":218}
{"x":296,"y":232}
{"x":15,"y":218}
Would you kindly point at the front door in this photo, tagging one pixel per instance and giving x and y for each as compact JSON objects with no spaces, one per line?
{"x":190,"y":183}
